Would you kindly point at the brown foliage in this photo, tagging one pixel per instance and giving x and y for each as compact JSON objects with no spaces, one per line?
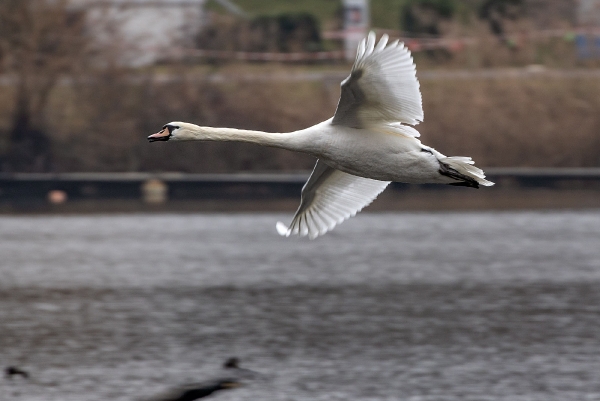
{"x":522,"y":121}
{"x":103,"y":124}
{"x":40,"y":41}
{"x":539,"y":122}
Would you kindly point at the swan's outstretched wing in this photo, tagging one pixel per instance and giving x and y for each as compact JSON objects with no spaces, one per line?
{"x":382,"y":87}
{"x":328,"y":198}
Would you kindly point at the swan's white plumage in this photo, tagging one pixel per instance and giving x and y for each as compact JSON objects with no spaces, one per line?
{"x":362,"y":148}
{"x":382,"y":87}
{"x":329,"y":197}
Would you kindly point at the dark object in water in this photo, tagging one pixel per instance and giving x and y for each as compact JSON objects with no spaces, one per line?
{"x":194,"y":393}
{"x":12,"y":371}
{"x":232,"y":363}
{"x":235,"y":377}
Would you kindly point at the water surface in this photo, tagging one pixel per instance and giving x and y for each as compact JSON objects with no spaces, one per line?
{"x":431,"y":306}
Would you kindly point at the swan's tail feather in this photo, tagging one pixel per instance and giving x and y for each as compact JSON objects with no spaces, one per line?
{"x":462,"y":169}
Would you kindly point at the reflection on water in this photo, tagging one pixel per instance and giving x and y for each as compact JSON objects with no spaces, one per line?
{"x":481,"y":306}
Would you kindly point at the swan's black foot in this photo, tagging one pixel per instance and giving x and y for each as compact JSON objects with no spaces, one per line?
{"x":462,"y":180}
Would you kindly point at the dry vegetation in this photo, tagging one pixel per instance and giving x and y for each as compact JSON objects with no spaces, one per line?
{"x":535,"y":121}
{"x":111,"y":134}
{"x":528,"y":121}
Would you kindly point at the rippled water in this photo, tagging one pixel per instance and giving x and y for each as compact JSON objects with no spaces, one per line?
{"x":436,"y":306}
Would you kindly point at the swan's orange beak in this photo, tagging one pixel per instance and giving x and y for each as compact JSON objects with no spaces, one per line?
{"x":162,"y":135}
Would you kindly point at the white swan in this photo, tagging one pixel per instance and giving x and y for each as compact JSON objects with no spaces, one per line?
{"x":362,"y":148}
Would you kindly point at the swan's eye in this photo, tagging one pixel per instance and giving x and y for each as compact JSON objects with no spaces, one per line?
{"x":171,"y":128}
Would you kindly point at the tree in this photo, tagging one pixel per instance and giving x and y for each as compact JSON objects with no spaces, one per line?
{"x":424,"y":17}
{"x":41,"y":41}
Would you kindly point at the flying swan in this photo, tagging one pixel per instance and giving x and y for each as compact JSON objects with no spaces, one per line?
{"x":362,"y":148}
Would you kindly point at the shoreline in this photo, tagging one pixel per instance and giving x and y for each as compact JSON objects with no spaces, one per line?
{"x":413,"y":199}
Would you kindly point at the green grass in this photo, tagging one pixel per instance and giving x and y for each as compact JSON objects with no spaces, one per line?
{"x":384,"y":13}
{"x":324,"y":10}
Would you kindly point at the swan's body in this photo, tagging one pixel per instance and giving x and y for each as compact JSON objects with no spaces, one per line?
{"x":362,"y":148}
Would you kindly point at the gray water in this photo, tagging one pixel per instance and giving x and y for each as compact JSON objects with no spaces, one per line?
{"x":432,"y":306}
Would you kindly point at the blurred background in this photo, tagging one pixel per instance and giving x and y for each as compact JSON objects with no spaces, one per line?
{"x":512,"y":83}
{"x":128,"y":267}
{"x":85,"y":81}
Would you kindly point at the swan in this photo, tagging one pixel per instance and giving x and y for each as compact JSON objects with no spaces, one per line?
{"x":368,"y":143}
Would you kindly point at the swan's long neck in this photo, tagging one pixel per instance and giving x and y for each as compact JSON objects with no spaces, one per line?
{"x":278,"y":140}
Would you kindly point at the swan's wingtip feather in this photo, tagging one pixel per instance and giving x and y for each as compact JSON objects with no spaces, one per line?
{"x":282,"y":229}
{"x":312,"y":236}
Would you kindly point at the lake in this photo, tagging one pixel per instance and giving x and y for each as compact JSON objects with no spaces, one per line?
{"x":388,"y":306}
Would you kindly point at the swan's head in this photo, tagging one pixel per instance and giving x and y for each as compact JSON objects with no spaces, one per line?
{"x":173,"y":131}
